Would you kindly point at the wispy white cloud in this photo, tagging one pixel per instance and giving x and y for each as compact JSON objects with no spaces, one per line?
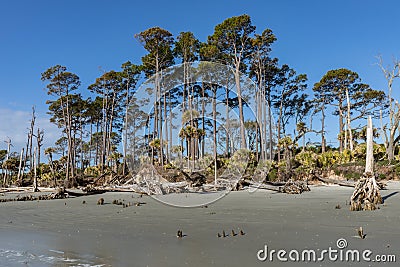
{"x":14,"y":124}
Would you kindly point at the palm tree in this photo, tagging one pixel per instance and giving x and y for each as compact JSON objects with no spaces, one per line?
{"x":155,"y":144}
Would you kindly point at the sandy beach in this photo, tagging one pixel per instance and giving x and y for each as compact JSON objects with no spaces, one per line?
{"x":67,"y":232}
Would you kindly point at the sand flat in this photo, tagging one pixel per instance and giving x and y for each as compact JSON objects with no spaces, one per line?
{"x":68,"y":233}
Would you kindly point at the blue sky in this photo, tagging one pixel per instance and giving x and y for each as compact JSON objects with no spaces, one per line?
{"x":313,"y":37}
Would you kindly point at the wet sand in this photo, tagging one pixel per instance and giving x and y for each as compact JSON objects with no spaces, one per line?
{"x":68,"y":233}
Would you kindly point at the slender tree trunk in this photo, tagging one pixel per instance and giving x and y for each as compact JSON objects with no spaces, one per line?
{"x":323,"y":142}
{"x":35,"y":182}
{"x":30,"y":143}
{"x":279,"y":127}
{"x":271,"y":135}
{"x":90,"y":144}
{"x":263,"y":134}
{"x":227,"y":121}
{"x":104,"y":130}
{"x":240,"y":103}
{"x":26,"y":153}
{"x":214,"y":106}
{"x":126,"y":129}
{"x":203,"y":111}
{"x":341,"y":125}
{"x":110,"y":127}
{"x":166,"y":129}
{"x":20,"y":170}
{"x":170,"y":125}
{"x":52,"y":169}
{"x":81,"y":145}
{"x":349,"y":121}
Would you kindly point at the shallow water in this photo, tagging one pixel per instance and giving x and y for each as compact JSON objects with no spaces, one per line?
{"x":51,"y":258}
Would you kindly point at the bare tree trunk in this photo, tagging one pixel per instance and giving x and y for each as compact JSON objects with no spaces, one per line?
{"x":81,"y":145}
{"x":170,"y":125}
{"x":35,"y":182}
{"x":214,"y":114}
{"x":366,"y":194}
{"x":7,"y":157}
{"x":240,"y":104}
{"x":90,"y":145}
{"x":271,"y":135}
{"x":394,"y":110}
{"x":227,"y":141}
{"x":323,"y":142}
{"x":369,"y":163}
{"x":30,"y":137}
{"x":341,"y":126}
{"x":126,"y":129}
{"x":20,"y":171}
{"x":104,"y":130}
{"x":349,"y":120}
{"x":263,"y":134}
{"x":39,"y":143}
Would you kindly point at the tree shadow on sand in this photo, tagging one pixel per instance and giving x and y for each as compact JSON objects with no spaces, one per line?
{"x":388,"y":196}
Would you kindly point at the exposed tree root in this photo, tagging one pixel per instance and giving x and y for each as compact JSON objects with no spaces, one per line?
{"x":294,"y":187}
{"x":366,"y":195}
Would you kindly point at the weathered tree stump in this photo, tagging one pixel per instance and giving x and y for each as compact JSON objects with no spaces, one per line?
{"x":366,"y":195}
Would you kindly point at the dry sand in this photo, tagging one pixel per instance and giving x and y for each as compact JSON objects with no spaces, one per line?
{"x":69,"y":233}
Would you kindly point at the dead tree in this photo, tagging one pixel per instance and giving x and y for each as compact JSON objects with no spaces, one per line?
{"x":366,"y":195}
{"x":39,"y":140}
{"x":20,"y":170}
{"x":389,"y":133}
{"x":8,"y":142}
{"x":35,"y":182}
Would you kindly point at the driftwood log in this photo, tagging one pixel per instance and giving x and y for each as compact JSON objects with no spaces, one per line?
{"x":289,"y":187}
{"x":295,"y":187}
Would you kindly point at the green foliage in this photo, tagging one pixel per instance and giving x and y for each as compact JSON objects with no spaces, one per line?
{"x":285,"y":142}
{"x":238,"y":162}
{"x":155,"y":143}
{"x":11,"y":164}
{"x":187,"y":47}
{"x":308,"y":160}
{"x":328,"y":159}
{"x":360,"y":151}
{"x":272,"y":175}
{"x":157,"y":42}
{"x":232,"y":35}
{"x":3,"y":154}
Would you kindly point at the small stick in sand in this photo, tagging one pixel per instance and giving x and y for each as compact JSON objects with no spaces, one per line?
{"x":179,"y":234}
{"x":233,"y":233}
{"x":360,"y":232}
{"x":100,"y":201}
{"x":223,"y":233}
{"x":218,"y":234}
{"x":242,"y":233}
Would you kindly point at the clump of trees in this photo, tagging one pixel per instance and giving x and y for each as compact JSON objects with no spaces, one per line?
{"x":94,"y":141}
